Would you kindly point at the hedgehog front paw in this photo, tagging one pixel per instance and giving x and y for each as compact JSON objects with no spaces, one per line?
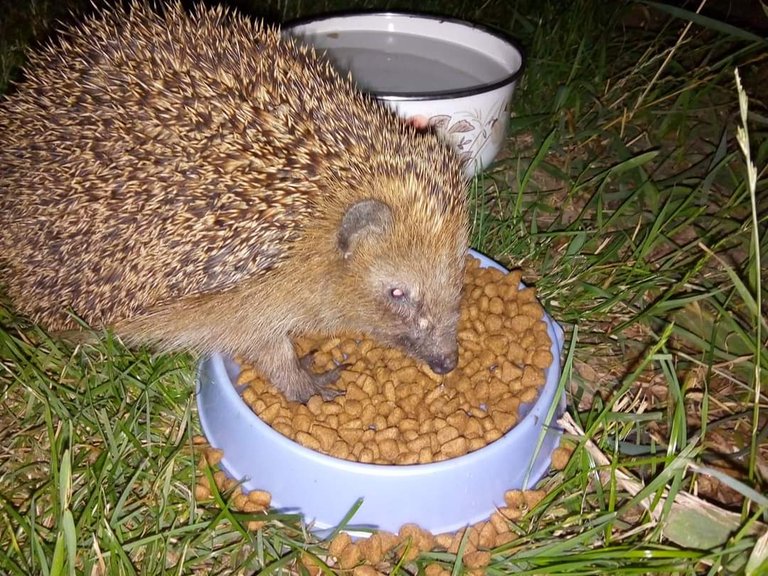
{"x":325,"y":380}
{"x":311,"y":383}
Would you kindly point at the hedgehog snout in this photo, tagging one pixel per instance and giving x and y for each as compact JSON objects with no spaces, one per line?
{"x":440,"y":352}
{"x":443,"y":364}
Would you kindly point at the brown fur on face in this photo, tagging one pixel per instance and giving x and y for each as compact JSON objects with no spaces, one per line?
{"x":200,"y":181}
{"x":404,"y":288}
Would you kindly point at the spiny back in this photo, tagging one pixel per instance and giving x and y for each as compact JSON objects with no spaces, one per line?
{"x":195,"y":148}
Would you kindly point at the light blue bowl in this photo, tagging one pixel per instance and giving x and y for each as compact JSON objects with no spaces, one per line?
{"x":440,"y":497}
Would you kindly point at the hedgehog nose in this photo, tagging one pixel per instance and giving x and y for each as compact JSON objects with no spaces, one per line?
{"x":443,"y":364}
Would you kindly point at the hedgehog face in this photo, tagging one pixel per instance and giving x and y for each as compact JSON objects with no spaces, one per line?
{"x":404,"y":288}
{"x":416,"y":312}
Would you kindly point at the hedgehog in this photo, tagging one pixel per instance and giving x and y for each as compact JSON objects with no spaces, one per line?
{"x":198,"y":180}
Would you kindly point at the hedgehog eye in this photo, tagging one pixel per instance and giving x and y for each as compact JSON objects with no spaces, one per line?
{"x":398,"y":294}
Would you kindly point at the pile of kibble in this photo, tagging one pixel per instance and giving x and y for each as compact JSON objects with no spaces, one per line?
{"x":375,"y":555}
{"x":394,"y":410}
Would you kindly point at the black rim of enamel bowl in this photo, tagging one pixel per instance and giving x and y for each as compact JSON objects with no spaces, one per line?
{"x":436,"y":95}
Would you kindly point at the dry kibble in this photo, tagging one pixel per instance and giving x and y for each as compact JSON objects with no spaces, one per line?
{"x":351,"y":435}
{"x":504,"y":420}
{"x":220,"y":478}
{"x":394,"y":410}
{"x":504,"y":538}
{"x":458,"y":420}
{"x":475,"y":444}
{"x":533,"y":497}
{"x":307,"y":440}
{"x":435,"y":569}
{"x":494,"y":322}
{"x":349,"y":557}
{"x":455,"y":447}
{"x":492,"y":435}
{"x":444,"y":540}
{"x":321,"y":359}
{"x":560,"y":457}
{"x":532,"y":309}
{"x":368,"y":414}
{"x":473,"y":538}
{"x":526,"y":295}
{"x":407,"y":458}
{"x":331,"y":408}
{"x":407,"y":424}
{"x":491,"y":290}
{"x":423,"y":539}
{"x":252,"y":507}
{"x":250,"y":397}
{"x":202,"y":492}
{"x":389,"y":449}
{"x":354,"y":392}
{"x":532,"y":377}
{"x":527,"y":395}
{"x":487,"y":537}
{"x":315,"y":404}
{"x":325,"y":436}
{"x":371,"y":549}
{"x":213,"y":456}
{"x":388,"y":540}
{"x":520,"y":323}
{"x":528,"y":341}
{"x":420,"y":540}
{"x":368,"y":384}
{"x":270,"y":413}
{"x":499,"y":523}
{"x":302,"y":422}
{"x":446,"y":433}
{"x":380,"y":423}
{"x":365,"y":456}
{"x":340,"y":449}
{"x":511,"y":513}
{"x":477,"y":559}
{"x":284,"y":427}
{"x":542,"y":358}
{"x":260,"y":497}
{"x":239,"y":499}
{"x":386,"y":433}
{"x":339,"y":543}
{"x":496,"y":305}
{"x":310,"y":564}
{"x":453,"y":547}
{"x":353,"y":407}
{"x":514,"y":498}
{"x":498,"y":343}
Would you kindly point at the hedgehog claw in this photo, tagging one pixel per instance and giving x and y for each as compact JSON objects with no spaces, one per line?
{"x":329,"y":378}
{"x":319,"y":383}
{"x":308,"y":360}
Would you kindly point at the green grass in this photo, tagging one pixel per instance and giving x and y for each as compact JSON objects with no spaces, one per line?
{"x":623,"y":193}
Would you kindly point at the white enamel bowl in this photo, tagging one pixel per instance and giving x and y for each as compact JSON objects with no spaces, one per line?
{"x":455,"y":76}
{"x":443,"y":496}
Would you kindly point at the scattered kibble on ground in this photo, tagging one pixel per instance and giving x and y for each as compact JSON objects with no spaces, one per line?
{"x":365,"y":556}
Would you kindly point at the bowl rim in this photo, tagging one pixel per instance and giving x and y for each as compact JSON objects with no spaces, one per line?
{"x":438,"y":94}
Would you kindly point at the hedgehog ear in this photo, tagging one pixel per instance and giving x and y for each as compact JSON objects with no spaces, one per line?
{"x":361,"y":220}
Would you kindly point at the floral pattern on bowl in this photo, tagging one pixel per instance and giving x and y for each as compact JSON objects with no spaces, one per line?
{"x":470,"y":132}
{"x":473,"y":118}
